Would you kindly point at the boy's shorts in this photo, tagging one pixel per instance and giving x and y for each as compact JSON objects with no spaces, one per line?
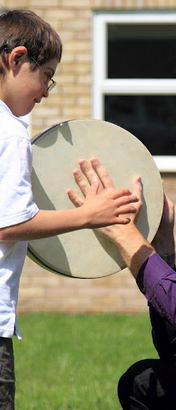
{"x":7,"y":375}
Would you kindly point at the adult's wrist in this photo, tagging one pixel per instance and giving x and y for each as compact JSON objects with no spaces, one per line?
{"x":134,"y":248}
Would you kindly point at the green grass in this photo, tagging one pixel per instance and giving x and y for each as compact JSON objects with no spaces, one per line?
{"x":73,"y":362}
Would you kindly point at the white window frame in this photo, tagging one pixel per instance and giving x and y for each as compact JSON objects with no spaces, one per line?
{"x":102,"y":85}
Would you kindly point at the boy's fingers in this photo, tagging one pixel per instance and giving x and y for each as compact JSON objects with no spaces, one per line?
{"x":83,"y":185}
{"x":123,"y":221}
{"x":81,"y":182}
{"x":124,"y":194}
{"x":102,"y":173}
{"x":74,"y":198}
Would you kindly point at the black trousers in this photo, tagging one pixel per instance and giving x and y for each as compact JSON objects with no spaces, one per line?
{"x":148,"y":385}
{"x":7,"y":376}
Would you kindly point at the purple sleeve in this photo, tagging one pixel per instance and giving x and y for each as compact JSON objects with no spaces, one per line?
{"x":157,"y":281}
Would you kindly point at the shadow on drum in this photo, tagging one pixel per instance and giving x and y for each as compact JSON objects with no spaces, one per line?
{"x":142,"y":221}
{"x":47,"y":252}
{"x":43,"y":201}
{"x":43,"y":140}
{"x":110,"y":248}
{"x":64,"y":129}
{"x":46,"y":139}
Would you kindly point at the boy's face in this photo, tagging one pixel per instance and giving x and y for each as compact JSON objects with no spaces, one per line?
{"x":24,"y":87}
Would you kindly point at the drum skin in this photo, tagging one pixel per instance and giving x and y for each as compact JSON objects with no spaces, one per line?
{"x":56,"y":152}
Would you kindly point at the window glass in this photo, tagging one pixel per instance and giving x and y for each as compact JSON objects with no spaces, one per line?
{"x":141,"y":51}
{"x":151,"y":118}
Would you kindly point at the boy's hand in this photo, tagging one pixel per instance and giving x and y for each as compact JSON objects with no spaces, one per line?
{"x":104,"y":203}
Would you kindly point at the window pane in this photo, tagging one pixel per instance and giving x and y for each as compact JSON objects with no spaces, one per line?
{"x":151,"y":118}
{"x":141,"y":51}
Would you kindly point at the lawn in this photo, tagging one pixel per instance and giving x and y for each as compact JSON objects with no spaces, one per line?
{"x":73,"y":362}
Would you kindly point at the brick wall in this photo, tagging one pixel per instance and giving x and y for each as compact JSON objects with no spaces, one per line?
{"x":41,"y":290}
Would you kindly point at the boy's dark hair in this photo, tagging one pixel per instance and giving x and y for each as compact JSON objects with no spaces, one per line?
{"x":25,"y":28}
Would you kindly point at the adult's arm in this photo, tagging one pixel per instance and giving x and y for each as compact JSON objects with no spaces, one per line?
{"x":156,"y":279}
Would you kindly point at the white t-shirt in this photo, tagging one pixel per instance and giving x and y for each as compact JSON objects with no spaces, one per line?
{"x":16,"y":206}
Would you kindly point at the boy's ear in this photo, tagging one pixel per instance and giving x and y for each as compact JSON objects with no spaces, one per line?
{"x":17,"y":56}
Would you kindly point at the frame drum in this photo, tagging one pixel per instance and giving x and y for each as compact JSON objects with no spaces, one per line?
{"x":56,"y":152}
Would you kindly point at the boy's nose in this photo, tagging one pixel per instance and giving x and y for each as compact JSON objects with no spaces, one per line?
{"x":45,"y":93}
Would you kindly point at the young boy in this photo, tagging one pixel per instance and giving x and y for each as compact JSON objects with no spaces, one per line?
{"x":30,"y":51}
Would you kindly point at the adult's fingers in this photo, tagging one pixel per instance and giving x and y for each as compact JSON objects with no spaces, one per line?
{"x":137,"y":188}
{"x":90,"y":173}
{"x":102,"y":173}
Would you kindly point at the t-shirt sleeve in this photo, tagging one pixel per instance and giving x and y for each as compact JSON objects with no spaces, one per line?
{"x":16,"y":199}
